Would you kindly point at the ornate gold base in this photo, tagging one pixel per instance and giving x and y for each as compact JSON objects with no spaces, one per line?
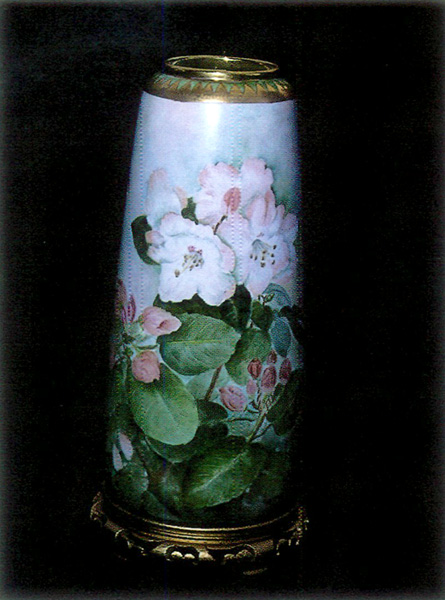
{"x":249,"y":547}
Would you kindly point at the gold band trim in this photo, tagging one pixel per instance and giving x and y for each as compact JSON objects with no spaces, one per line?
{"x":205,"y":78}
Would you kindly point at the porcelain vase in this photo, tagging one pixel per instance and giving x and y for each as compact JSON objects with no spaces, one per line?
{"x":207,"y":371}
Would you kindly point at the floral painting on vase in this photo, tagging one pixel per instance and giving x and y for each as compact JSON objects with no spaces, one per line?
{"x":207,"y":368}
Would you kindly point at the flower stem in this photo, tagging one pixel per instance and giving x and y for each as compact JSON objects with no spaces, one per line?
{"x":263,"y":432}
{"x":219,"y":223}
{"x":213,"y":383}
{"x":256,"y":427}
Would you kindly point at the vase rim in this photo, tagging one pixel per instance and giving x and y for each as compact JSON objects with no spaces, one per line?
{"x":219,"y":67}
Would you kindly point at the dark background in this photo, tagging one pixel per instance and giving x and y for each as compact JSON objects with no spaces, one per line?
{"x":368,"y":80}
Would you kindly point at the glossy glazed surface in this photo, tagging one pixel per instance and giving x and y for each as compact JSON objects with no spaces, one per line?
{"x":207,"y":362}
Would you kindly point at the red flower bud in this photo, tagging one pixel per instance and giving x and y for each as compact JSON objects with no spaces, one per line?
{"x":285,"y":371}
{"x":255,"y":367}
{"x":269,"y":379}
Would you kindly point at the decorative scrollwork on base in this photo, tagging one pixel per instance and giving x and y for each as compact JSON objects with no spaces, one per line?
{"x":243,"y":547}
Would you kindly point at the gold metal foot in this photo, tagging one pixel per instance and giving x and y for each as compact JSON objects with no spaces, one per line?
{"x":249,"y":547}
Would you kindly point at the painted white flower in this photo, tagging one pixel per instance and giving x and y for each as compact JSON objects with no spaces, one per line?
{"x":162,"y":198}
{"x":263,"y":243}
{"x":225,"y":190}
{"x":193,"y":261}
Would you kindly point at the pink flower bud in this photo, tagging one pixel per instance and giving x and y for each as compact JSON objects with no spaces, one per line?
{"x":145,"y":367}
{"x":131,"y":309}
{"x":124,"y":308}
{"x":233,"y":398}
{"x":157,"y":321}
{"x":269,"y":379}
{"x":272,"y":358}
{"x":251,"y":387}
{"x":232,"y":199}
{"x":121,"y":297}
{"x":255,"y":367}
{"x":285,"y":371}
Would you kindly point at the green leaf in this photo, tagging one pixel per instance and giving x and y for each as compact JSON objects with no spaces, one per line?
{"x":280,"y":296}
{"x":146,"y":483}
{"x":223,"y":473}
{"x":117,"y":392}
{"x":253,"y":344}
{"x":122,"y":420}
{"x":164,"y":409}
{"x":280,"y":334}
{"x":273,"y":479}
{"x":236,"y":310}
{"x":200,"y":344}
{"x":164,"y":479}
{"x":153,"y":463}
{"x":195,"y":305}
{"x":211,"y":412}
{"x":295,"y":318}
{"x":155,"y":508}
{"x":284,"y":412}
{"x":206,"y":437}
{"x":167,"y":487}
{"x":189,"y":211}
{"x":139,"y":228}
{"x":262,"y":315}
{"x":200,"y":384}
{"x":120,"y":416}
{"x":130,"y":483}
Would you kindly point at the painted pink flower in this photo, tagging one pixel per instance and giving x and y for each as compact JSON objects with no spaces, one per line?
{"x":255,"y":367}
{"x":262,"y":242}
{"x":145,"y":367}
{"x":157,"y":321}
{"x":269,"y":379}
{"x":251,"y":387}
{"x":285,"y":371}
{"x":224,"y":189}
{"x":233,"y":398}
{"x":162,"y":198}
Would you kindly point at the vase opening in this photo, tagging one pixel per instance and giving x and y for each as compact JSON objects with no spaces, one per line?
{"x":227,"y":68}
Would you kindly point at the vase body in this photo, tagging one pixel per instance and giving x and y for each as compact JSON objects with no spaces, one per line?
{"x":207,"y":363}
